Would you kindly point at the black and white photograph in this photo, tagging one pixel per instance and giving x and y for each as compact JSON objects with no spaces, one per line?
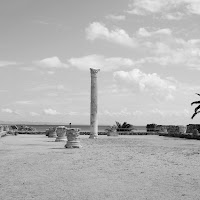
{"x":100,"y":99}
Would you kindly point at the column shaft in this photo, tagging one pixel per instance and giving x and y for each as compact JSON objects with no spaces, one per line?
{"x":94,"y":104}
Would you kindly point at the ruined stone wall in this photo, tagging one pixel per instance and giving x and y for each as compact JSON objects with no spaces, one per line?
{"x":176,"y":129}
{"x":192,"y":127}
{"x":151,"y":127}
{"x":170,"y":129}
{"x":3,"y":131}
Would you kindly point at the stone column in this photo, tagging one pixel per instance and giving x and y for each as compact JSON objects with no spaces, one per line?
{"x":93,"y":104}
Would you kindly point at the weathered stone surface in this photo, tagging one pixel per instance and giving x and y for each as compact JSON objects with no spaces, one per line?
{"x":6,"y":128}
{"x":112,"y":133}
{"x":182,"y":129}
{"x":170,"y":129}
{"x":151,"y":127}
{"x":72,"y":138}
{"x":52,"y":133}
{"x":192,"y":127}
{"x":1,"y":128}
{"x":47,"y":132}
{"x":195,"y":132}
{"x":94,"y":104}
{"x":61,"y":134}
{"x":2,"y":131}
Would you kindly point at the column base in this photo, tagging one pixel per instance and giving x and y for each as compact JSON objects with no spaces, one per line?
{"x":93,"y":136}
{"x":73,"y":144}
{"x":52,"y":135}
{"x":113,"y":133}
{"x":61,"y":139}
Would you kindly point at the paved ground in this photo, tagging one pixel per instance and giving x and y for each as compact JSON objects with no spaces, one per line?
{"x":117,"y":168}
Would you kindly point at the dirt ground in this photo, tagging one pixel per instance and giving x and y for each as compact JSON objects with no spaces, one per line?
{"x":117,"y":168}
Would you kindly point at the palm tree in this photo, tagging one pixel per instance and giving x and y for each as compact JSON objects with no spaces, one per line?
{"x":124,"y":127}
{"x":196,"y":110}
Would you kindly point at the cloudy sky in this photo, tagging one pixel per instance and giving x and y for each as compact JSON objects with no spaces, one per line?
{"x":148,"y":52}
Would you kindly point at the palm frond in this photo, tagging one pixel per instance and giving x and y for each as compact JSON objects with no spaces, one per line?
{"x":128,"y":125}
{"x":197,"y":108}
{"x":195,"y":102}
{"x":195,"y":114}
{"x":118,"y":124}
{"x":124,"y":125}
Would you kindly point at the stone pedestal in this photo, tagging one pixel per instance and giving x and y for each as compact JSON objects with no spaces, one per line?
{"x":52,"y":133}
{"x":195,"y":132}
{"x":72,"y":138}
{"x":182,"y":129}
{"x":61,"y":134}
{"x":94,"y":104}
{"x":1,"y":128}
{"x":6,"y":128}
{"x":112,"y":133}
{"x":47,"y":132}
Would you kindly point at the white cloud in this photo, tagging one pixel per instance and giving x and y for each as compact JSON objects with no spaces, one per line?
{"x":73,"y":113}
{"x":170,"y":50}
{"x":193,"y":6}
{"x":158,"y":112}
{"x":50,"y":111}
{"x":48,"y":87}
{"x":144,"y":7}
{"x":60,"y":87}
{"x":122,"y":112}
{"x":34,"y":114}
{"x":141,"y":7}
{"x":163,"y":48}
{"x":170,"y":113}
{"x":173,"y":16}
{"x":24,"y":102}
{"x":41,"y":22}
{"x":179,"y":52}
{"x":51,"y":72}
{"x":137,"y":113}
{"x":144,"y":33}
{"x":2,"y":91}
{"x":52,"y":94}
{"x":99,"y":61}
{"x":8,"y":63}
{"x":116,"y":17}
{"x":97,"y":30}
{"x":10,"y":111}
{"x":137,"y":81}
{"x":53,"y":63}
{"x":30,"y":69}
{"x":7,"y":110}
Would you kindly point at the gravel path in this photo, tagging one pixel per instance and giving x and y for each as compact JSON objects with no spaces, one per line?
{"x":117,"y":168}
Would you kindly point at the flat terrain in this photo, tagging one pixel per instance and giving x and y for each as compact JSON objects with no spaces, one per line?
{"x":117,"y":168}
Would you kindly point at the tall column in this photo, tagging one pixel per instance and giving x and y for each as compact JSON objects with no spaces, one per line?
{"x":93,"y":104}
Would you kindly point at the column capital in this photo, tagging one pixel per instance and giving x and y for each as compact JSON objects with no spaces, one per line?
{"x":94,"y":71}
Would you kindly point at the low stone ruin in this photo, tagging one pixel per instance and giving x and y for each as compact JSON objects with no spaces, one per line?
{"x":52,"y":132}
{"x":192,"y":127}
{"x":6,"y":130}
{"x":72,"y":138}
{"x":61,"y":134}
